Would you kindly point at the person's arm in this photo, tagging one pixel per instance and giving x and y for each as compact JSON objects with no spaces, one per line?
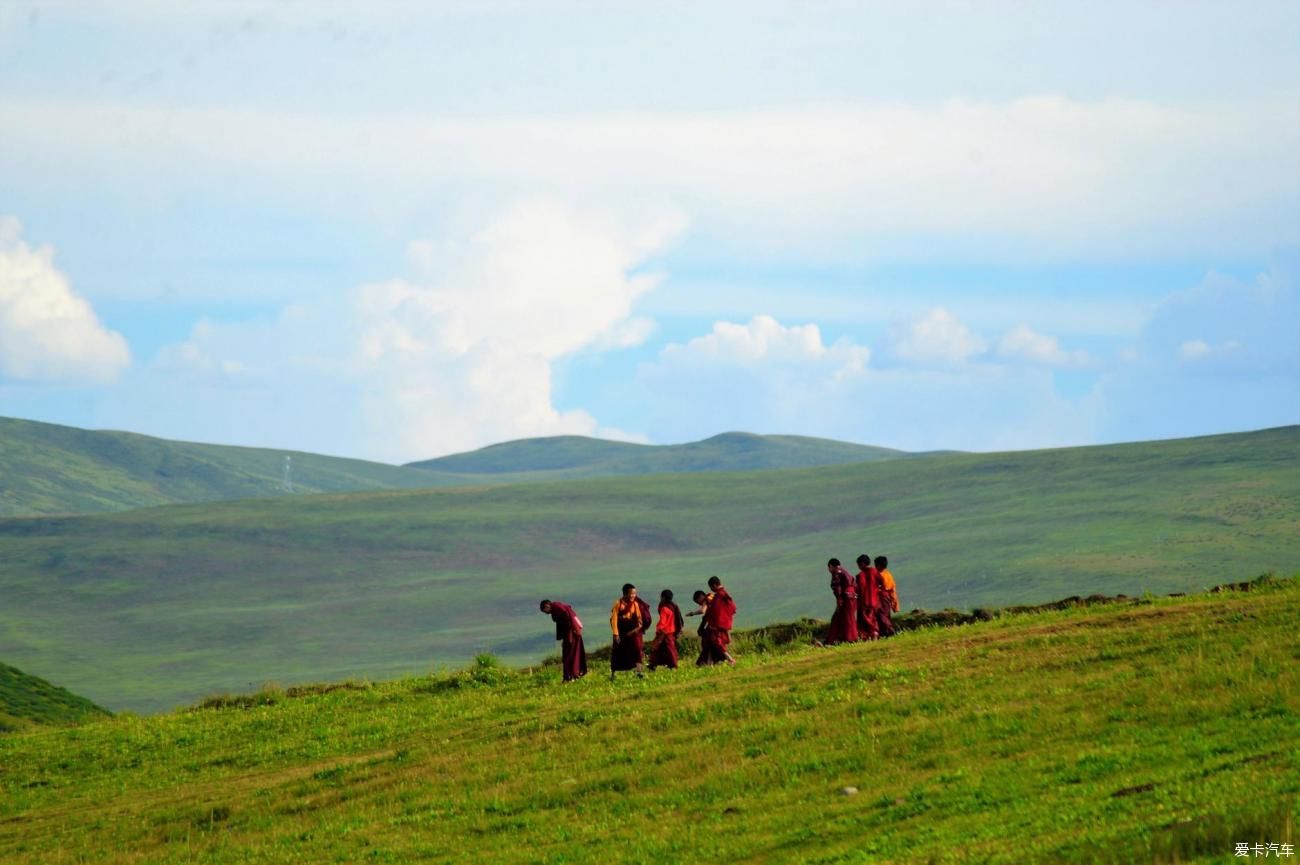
{"x":613,"y":620}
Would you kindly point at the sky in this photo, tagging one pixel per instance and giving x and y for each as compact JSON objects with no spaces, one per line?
{"x":398,"y":230}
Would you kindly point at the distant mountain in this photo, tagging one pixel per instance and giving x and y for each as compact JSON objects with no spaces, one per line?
{"x":51,"y":469}
{"x":27,"y":700}
{"x":574,"y":457}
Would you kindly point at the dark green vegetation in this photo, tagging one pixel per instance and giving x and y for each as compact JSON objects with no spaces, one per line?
{"x":572,"y":457}
{"x":26,"y":700}
{"x":49,"y":469}
{"x":149,"y":608}
{"x":1163,"y":730}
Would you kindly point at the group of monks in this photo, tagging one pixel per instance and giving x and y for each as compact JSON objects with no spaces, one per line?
{"x":865,"y":603}
{"x":630,"y":621}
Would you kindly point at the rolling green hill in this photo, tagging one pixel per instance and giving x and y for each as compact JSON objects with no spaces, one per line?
{"x":148,"y":608}
{"x":51,"y":469}
{"x":1166,"y":730}
{"x":572,"y":457}
{"x":26,"y":701}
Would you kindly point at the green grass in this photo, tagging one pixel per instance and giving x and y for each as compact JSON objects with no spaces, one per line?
{"x":50,"y":469}
{"x":26,"y":700}
{"x":575,"y":457}
{"x":151,"y":608}
{"x":1160,"y":730}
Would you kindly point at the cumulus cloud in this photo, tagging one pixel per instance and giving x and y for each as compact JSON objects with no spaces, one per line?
{"x":768,"y":377}
{"x":464,"y":357}
{"x":766,"y":340}
{"x":47,"y":331}
{"x":1024,"y":344}
{"x":936,"y":338}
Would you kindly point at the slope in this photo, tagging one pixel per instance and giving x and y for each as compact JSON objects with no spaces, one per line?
{"x":1165,"y":730}
{"x":571,"y":457}
{"x":49,"y":469}
{"x":27,"y":700}
{"x":152,"y":607}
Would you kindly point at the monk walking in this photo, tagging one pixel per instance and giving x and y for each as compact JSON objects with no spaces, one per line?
{"x":625,"y":620}
{"x":888,"y":598}
{"x":868,"y":580}
{"x":568,"y":630}
{"x":844,"y":623}
{"x":664,"y":651}
{"x":719,"y":615}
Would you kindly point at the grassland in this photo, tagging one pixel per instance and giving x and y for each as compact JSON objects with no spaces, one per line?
{"x":576,"y":457}
{"x":150,"y":608}
{"x":52,"y":469}
{"x":26,"y":701}
{"x":49,"y":469}
{"x":1162,"y":730}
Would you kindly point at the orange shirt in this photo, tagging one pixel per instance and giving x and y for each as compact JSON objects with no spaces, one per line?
{"x":887,"y":580}
{"x":667,"y":621}
{"x":626,"y":611}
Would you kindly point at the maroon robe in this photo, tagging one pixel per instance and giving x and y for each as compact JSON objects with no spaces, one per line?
{"x":884,"y":617}
{"x":844,"y":623}
{"x":868,"y":600}
{"x":629,"y":651}
{"x":568,"y":630}
{"x":715,"y":636}
{"x":664,"y":651}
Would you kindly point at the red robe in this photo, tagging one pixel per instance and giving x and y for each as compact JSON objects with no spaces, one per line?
{"x":868,"y":601}
{"x":716,"y":635}
{"x":844,"y":623}
{"x":664,"y":651}
{"x":628,"y":652}
{"x":568,"y":629}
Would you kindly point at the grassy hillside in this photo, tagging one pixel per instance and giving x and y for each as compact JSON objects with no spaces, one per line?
{"x":26,"y":700}
{"x":1165,"y":731}
{"x":572,"y":457}
{"x":51,"y":469}
{"x":149,"y":608}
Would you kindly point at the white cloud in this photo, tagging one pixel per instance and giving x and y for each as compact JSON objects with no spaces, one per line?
{"x":1029,"y":178}
{"x":465,"y":358}
{"x":1024,"y":344}
{"x":766,"y":340}
{"x":47,"y":331}
{"x":936,"y":338}
{"x":768,"y":377}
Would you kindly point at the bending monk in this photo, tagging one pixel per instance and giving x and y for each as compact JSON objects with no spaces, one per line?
{"x":625,"y":621}
{"x":844,"y":623}
{"x":568,"y":630}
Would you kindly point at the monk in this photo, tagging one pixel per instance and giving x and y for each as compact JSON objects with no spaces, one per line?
{"x":868,"y":580}
{"x":568,"y":630}
{"x":719,"y":615}
{"x":663,"y":653}
{"x":844,"y":623}
{"x":888,"y":598}
{"x":625,"y":620}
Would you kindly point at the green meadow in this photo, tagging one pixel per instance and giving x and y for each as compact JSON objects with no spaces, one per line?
{"x":1160,"y":730}
{"x":27,"y":700}
{"x":151,"y":608}
{"x":52,"y":469}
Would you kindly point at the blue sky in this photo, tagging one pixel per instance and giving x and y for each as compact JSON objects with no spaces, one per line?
{"x":417,"y":228}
